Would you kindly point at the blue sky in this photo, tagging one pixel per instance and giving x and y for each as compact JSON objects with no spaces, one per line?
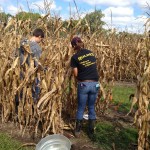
{"x":126,"y":14}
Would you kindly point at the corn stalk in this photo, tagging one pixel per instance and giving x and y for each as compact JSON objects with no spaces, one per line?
{"x":142,"y":116}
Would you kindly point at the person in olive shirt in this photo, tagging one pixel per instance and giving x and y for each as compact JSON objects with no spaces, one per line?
{"x":84,"y":67}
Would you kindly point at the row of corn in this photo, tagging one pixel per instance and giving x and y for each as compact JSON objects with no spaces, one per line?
{"x":120,"y":56}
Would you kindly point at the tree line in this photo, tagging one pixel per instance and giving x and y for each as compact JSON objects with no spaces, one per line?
{"x":91,"y":20}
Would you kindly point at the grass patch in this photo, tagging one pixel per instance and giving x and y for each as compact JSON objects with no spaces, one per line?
{"x":121,"y":97}
{"x":7,"y":143}
{"x":106,"y":134}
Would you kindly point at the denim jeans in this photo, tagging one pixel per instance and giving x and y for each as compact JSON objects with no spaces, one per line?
{"x":87,"y":94}
{"x":36,"y":90}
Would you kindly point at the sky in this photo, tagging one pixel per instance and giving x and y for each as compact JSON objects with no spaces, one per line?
{"x":127,"y":15}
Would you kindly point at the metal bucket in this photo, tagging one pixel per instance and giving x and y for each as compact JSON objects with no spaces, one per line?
{"x":54,"y":142}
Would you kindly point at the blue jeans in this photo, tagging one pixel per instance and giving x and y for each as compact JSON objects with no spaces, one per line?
{"x":36,"y":90}
{"x":87,"y":93}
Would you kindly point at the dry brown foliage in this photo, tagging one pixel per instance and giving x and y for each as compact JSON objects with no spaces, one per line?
{"x":120,"y":56}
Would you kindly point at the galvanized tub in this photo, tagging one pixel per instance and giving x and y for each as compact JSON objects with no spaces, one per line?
{"x":54,"y":142}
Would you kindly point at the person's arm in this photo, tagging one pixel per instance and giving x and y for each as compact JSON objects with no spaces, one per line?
{"x":74,"y":67}
{"x":75,"y":72}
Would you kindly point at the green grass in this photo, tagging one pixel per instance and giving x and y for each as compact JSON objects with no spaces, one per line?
{"x":121,"y":96}
{"x":106,"y":134}
{"x":7,"y":143}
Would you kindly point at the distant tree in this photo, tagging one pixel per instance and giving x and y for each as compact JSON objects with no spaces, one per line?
{"x":28,"y":15}
{"x":70,"y":24}
{"x":94,"y":20}
{"x":4,"y":17}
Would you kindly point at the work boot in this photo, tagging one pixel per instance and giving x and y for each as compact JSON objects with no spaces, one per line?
{"x":91,"y":128}
{"x":78,"y":128}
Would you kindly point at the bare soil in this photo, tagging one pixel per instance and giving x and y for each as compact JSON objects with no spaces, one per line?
{"x":77,"y":143}
{"x":81,"y":143}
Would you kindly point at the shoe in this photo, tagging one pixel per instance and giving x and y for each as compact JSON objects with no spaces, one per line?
{"x":78,"y":128}
{"x":91,"y":124}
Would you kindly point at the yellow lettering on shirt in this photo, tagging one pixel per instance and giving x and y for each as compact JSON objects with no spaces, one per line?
{"x":87,"y":63}
{"x":84,"y":56}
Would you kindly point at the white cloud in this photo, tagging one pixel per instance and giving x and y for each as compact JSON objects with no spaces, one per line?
{"x":141,"y":20}
{"x":49,"y":5}
{"x":121,"y":16}
{"x":119,"y":11}
{"x":68,"y":0}
{"x":2,"y":1}
{"x":108,"y":2}
{"x":12,"y":10}
{"x":138,"y":24}
{"x":118,"y":21}
{"x":127,"y":23}
{"x":144,"y":5}
{"x":123,"y":19}
{"x":142,"y":2}
{"x":74,"y":13}
{"x":115,"y":2}
{"x":1,"y":9}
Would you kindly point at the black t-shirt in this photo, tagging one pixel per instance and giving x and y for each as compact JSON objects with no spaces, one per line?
{"x":85,"y":61}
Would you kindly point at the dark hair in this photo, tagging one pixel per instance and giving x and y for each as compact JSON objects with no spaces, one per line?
{"x":77,"y":43}
{"x":75,"y":40}
{"x":38,"y":32}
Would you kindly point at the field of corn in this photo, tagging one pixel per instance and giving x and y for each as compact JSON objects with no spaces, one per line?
{"x":120,"y":57}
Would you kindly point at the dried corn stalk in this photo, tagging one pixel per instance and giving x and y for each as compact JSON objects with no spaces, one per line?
{"x":142,"y":116}
{"x":117,"y":59}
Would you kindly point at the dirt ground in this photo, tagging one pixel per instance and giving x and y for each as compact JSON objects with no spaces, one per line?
{"x":77,"y":143}
{"x":81,"y":143}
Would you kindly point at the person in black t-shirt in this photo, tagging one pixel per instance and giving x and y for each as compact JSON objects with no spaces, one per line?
{"x":84,"y":67}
